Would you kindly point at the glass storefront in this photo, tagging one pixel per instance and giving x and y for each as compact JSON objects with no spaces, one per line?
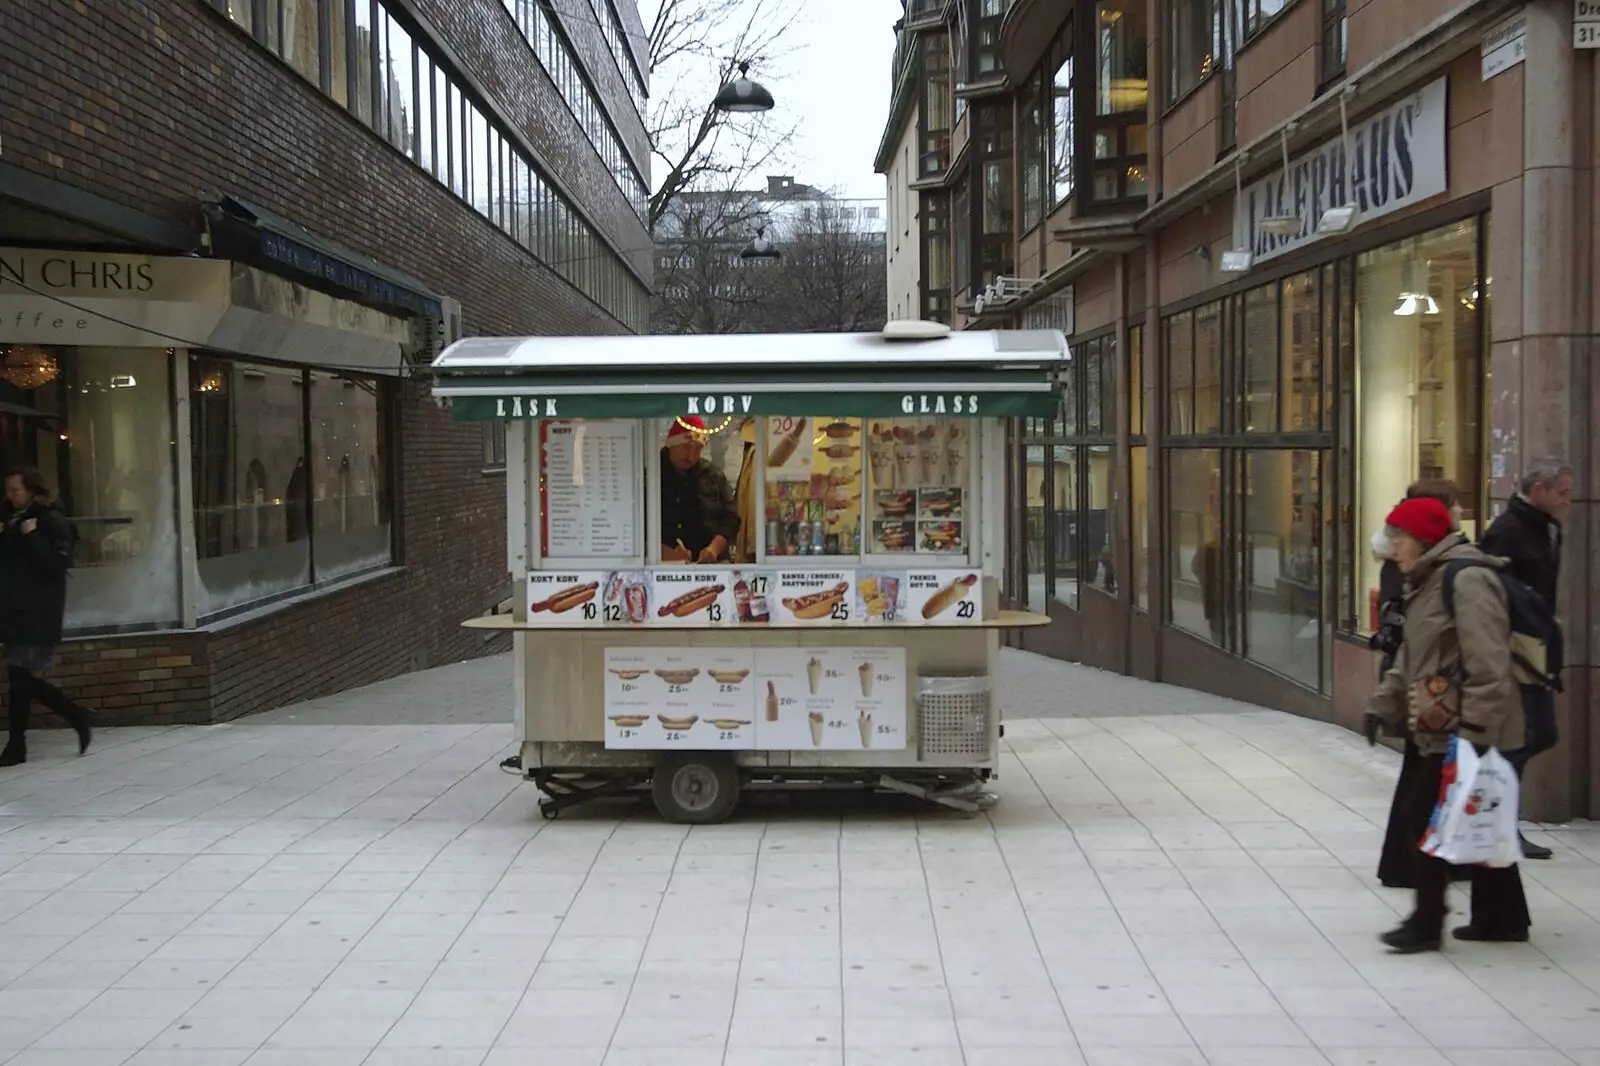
{"x":97,"y":422}
{"x":1272,"y":487}
{"x":289,"y":473}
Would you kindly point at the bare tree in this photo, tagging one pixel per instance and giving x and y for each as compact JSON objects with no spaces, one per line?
{"x":833,"y":277}
{"x":695,"y":145}
{"x":702,"y":284}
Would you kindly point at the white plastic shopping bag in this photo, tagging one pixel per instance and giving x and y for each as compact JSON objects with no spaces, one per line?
{"x":1475,"y":820}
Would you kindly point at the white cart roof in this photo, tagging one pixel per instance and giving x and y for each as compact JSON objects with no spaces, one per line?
{"x":910,"y":368}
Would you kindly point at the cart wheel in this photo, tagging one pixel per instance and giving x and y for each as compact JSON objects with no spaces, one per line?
{"x":697,"y":789}
{"x":987,"y":801}
{"x":550,"y":811}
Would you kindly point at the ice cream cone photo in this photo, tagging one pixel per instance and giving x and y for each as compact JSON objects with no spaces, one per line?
{"x":815,"y":721}
{"x":864,"y":671}
{"x":864,"y":721}
{"x":814,"y":674}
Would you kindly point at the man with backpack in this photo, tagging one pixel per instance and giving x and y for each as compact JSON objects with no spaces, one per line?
{"x":1528,"y":535}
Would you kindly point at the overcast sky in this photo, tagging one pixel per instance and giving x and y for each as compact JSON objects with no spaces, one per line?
{"x":835,"y":83}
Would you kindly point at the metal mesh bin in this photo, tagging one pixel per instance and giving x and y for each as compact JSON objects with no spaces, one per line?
{"x":953,"y":716}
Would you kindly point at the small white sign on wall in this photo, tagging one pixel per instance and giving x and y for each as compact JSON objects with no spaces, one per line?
{"x":1505,"y":46}
{"x":1586,"y":23}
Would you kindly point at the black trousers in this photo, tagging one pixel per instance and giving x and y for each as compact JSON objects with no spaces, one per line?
{"x":1499,"y":907}
{"x":1539,"y":716}
{"x":24,"y":687}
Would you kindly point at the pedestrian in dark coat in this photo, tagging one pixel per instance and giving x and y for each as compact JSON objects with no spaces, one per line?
{"x":1528,"y":535}
{"x":1396,"y":864}
{"x":35,"y":555}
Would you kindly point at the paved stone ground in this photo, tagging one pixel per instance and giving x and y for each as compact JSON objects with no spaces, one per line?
{"x":1171,"y":879}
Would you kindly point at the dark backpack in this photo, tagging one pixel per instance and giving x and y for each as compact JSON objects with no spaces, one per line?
{"x":1538,"y":654}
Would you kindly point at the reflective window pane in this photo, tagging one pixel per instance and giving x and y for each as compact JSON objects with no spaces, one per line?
{"x":349,"y":475}
{"x":250,"y":482}
{"x":1180,"y":374}
{"x":1208,"y":369}
{"x":1099,"y":521}
{"x":1260,"y":338}
{"x":1194,"y":543}
{"x":1036,"y":539}
{"x":401,"y":88}
{"x":1067,"y":522}
{"x":1138,"y":565}
{"x":301,"y":37}
{"x":1283,"y":562}
{"x":364,"y":41}
{"x":1302,"y":348}
{"x":338,"y":53}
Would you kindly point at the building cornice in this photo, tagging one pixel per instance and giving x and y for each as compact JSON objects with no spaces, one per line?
{"x":899,"y":109}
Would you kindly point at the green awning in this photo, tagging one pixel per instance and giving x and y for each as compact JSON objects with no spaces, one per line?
{"x":952,"y":403}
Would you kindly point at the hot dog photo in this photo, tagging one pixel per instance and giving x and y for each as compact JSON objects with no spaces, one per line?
{"x":562,"y":599}
{"x":691,"y":603}
{"x":816,"y":605}
{"x":565,"y":600}
{"x":948,"y":596}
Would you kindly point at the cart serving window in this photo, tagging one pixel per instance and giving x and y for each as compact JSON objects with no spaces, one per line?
{"x":760,"y":484}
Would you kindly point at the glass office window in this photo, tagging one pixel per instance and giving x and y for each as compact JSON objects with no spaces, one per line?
{"x":1283,"y":562}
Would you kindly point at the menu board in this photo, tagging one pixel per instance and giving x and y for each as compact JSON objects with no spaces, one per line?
{"x":830,"y":699}
{"x":694,"y":698}
{"x":590,"y":478}
{"x":818,"y":597}
{"x":919,"y":469}
{"x":944,"y":596}
{"x":557,"y":598}
{"x":779,"y":699}
{"x":683,"y":594}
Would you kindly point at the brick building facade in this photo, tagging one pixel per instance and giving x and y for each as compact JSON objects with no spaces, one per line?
{"x":230,"y":230}
{"x":1305,"y":253}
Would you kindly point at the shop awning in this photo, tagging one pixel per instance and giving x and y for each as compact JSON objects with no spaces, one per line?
{"x":291,"y":245}
{"x":1000,"y":373}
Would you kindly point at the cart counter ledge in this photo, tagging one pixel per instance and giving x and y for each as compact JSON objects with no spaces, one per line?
{"x":756,"y":561}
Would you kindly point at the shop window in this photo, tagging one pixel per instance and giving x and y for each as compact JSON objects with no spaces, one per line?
{"x":1419,"y":381}
{"x":1283,"y":562}
{"x":97,"y":422}
{"x":1036,"y":540}
{"x":1260,"y":336}
{"x":1063,"y":142}
{"x":349,"y":475}
{"x":251,"y":530}
{"x":1195,"y":556}
{"x":1136,"y":381}
{"x":1138,"y":564}
{"x":1070,"y":532}
{"x":1302,"y":343}
{"x":1032,"y":147}
{"x":1099,"y":520}
{"x":1180,"y":374}
{"x":1208,"y":369}
{"x":933,"y":117}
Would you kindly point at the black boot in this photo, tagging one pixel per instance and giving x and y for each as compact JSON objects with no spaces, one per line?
{"x":1409,"y":938}
{"x":75,"y":713}
{"x":1530,"y":850}
{"x":19,"y":700}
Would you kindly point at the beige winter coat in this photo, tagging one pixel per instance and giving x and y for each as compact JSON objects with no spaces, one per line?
{"x":1473,"y":649}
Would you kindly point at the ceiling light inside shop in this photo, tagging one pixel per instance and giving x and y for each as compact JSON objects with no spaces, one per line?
{"x":27,"y":367}
{"x":1414,"y":303}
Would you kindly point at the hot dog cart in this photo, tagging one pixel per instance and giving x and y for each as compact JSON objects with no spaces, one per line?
{"x":842,"y":628}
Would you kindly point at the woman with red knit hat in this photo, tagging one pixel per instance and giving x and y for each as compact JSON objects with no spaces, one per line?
{"x":1451,"y":675}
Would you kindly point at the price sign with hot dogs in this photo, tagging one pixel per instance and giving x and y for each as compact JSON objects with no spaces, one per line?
{"x":692,"y":595}
{"x":946,"y":597}
{"x":566,"y":597}
{"x":817,"y":597}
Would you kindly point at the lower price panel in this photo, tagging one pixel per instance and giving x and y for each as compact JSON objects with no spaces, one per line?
{"x":696,"y":699}
{"x":774,"y":699}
